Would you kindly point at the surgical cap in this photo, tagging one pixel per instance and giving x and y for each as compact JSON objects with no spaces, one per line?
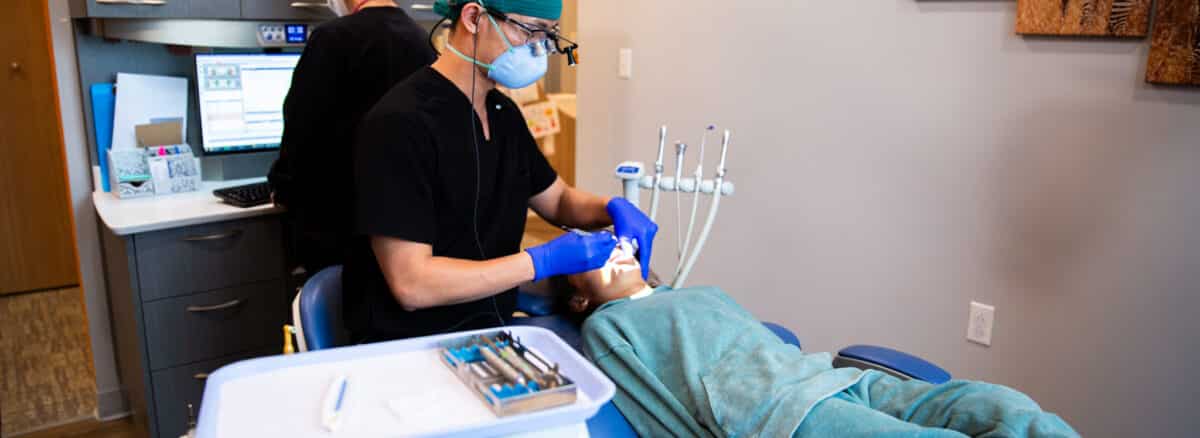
{"x":544,"y":9}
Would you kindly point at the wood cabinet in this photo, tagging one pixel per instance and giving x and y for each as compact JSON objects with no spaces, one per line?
{"x":187,"y":301}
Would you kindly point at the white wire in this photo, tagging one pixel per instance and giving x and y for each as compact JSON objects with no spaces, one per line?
{"x":678,"y":215}
{"x":695,"y":196}
{"x":712,"y":216}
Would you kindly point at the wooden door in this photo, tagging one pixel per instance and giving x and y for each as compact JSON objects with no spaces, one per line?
{"x":37,"y":249}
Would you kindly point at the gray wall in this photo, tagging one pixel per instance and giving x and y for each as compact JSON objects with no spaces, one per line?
{"x":110,"y":401}
{"x":897,"y":159}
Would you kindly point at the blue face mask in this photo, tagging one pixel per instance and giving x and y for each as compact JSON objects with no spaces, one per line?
{"x":518,"y":67}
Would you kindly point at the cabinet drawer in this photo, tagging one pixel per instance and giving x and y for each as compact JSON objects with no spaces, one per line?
{"x":175,"y":388}
{"x":207,"y":257}
{"x":135,"y":9}
{"x":208,"y":325}
{"x":286,"y":10}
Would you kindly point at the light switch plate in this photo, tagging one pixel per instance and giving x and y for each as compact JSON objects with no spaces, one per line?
{"x":625,"y":64}
{"x":979,"y":326}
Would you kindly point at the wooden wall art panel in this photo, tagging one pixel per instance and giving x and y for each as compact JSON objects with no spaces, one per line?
{"x":1175,"y":45}
{"x":1116,"y":18}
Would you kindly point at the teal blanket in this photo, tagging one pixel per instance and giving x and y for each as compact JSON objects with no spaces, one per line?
{"x":691,"y":362}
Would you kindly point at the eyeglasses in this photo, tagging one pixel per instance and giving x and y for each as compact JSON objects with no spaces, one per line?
{"x":543,"y":41}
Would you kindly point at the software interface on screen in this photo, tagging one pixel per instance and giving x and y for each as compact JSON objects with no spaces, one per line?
{"x":241,"y":99}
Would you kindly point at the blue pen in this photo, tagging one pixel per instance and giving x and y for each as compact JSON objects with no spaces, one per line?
{"x":333,"y":408}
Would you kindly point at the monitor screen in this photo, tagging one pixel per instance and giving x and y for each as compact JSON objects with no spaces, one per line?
{"x":241,"y":99}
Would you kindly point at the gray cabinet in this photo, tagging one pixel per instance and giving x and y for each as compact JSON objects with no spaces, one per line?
{"x":187,"y":301}
{"x":156,"y":8}
{"x":177,"y":388}
{"x":307,"y":10}
{"x":420,"y":10}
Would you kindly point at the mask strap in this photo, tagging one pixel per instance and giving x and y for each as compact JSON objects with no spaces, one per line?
{"x":476,"y":61}
{"x":467,"y":58}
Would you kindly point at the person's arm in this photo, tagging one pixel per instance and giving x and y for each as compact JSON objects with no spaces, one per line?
{"x":418,"y":280}
{"x":564,"y":205}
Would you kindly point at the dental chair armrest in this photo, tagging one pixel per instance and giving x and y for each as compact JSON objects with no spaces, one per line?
{"x":534,"y":304}
{"x":896,"y":363}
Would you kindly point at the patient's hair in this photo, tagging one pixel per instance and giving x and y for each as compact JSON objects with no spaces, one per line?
{"x":561,"y":292}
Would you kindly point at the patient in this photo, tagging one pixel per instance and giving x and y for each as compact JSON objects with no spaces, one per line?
{"x":691,"y":362}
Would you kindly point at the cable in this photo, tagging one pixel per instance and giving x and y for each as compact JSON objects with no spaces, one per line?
{"x":478,"y":171}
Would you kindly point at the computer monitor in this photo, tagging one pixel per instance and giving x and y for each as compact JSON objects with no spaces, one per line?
{"x":241,"y":99}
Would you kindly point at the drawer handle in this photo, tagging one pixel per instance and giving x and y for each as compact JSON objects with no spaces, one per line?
{"x":200,"y":376}
{"x":422,"y":7}
{"x":309,"y":5}
{"x":133,"y":2}
{"x":212,"y":237}
{"x":222,"y":306}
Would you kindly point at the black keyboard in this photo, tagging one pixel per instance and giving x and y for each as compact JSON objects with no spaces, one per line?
{"x":246,"y":196}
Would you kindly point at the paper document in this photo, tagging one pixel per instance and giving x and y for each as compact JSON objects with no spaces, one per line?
{"x":142,"y":99}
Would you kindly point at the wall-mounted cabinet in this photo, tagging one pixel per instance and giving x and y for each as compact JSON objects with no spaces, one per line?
{"x":301,"y":10}
{"x":285,"y":10}
{"x":157,"y":8}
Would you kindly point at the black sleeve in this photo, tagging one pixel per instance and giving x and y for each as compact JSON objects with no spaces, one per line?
{"x":395,"y":164}
{"x":312,"y":90}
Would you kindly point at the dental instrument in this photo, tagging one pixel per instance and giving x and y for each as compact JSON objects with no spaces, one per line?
{"x":712,"y":214}
{"x":630,"y":173}
{"x":695,"y":189}
{"x":516,"y":361}
{"x":658,"y":172}
{"x":501,"y":366}
{"x":575,"y":231}
{"x":680,"y":150}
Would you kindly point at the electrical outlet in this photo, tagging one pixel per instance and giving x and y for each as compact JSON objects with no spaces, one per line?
{"x":979,"y":324}
{"x":625,"y":64}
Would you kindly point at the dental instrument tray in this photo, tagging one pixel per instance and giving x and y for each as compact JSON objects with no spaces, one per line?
{"x":409,"y":388}
{"x":506,"y":374}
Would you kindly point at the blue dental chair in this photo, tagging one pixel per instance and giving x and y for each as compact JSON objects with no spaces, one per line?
{"x":317,"y":316}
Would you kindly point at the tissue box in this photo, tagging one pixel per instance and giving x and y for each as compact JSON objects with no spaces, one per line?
{"x":177,"y":173}
{"x":129,"y":174}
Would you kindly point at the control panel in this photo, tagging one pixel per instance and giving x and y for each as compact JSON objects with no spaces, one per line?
{"x":283,"y":34}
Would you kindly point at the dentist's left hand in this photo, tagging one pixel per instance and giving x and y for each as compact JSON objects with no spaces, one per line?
{"x":630,"y":223}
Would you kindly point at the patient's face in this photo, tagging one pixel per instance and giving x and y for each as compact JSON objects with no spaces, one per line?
{"x":618,"y":278}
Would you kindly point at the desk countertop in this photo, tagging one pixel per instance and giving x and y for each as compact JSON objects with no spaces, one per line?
{"x":132,"y":216}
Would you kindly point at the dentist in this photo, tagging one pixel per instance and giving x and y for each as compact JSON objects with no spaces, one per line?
{"x":445,"y":170}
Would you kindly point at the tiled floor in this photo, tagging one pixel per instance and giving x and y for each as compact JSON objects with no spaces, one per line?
{"x":46,"y":375}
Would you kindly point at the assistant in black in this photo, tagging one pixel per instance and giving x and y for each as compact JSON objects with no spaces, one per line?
{"x":415,"y":165}
{"x":348,"y":64}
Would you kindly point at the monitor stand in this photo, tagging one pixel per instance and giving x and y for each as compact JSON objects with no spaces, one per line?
{"x":237,"y":166}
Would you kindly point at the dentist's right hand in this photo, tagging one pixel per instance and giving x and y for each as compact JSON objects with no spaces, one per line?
{"x":571,"y":253}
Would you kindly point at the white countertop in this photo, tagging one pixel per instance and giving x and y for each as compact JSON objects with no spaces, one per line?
{"x":132,"y":216}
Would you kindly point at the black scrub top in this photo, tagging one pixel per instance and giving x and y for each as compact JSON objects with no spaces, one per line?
{"x":415,"y":179}
{"x":348,"y":64}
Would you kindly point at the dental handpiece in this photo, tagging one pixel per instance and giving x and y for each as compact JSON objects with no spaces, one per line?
{"x":658,"y":171}
{"x":514,"y":359}
{"x":501,"y":366}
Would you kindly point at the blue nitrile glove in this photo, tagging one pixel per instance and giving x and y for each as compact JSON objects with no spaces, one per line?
{"x":571,"y":253}
{"x":630,"y":223}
